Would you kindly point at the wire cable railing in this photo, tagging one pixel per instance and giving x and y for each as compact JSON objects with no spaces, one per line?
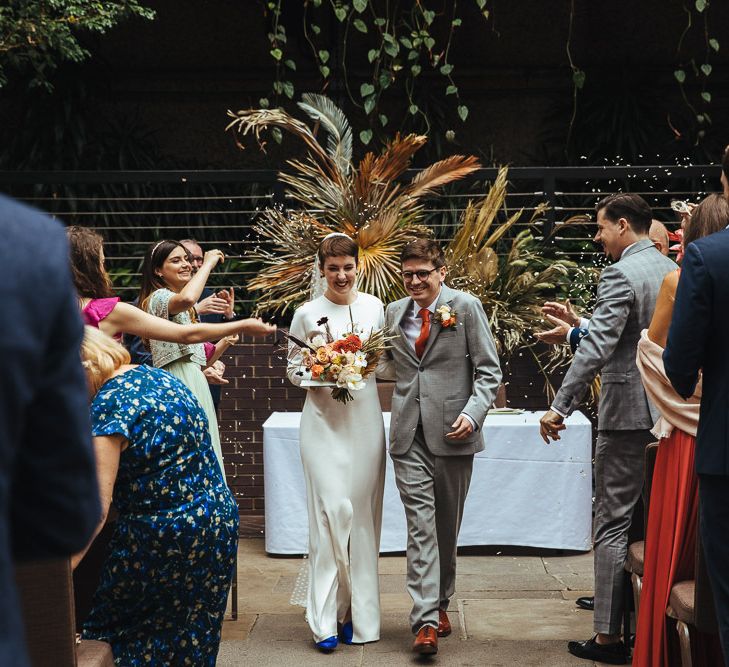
{"x":219,"y":208}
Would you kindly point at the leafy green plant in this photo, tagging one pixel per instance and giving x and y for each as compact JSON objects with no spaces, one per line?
{"x":37,"y":35}
{"x":401,"y":40}
{"x":512,"y":273}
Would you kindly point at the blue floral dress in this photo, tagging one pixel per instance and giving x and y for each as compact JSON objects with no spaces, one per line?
{"x":164,"y":585}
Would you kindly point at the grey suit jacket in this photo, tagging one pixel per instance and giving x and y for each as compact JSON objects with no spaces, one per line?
{"x":626,"y":299}
{"x":458,"y":373}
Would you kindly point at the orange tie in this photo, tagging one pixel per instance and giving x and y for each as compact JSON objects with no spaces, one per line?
{"x":422,"y":339}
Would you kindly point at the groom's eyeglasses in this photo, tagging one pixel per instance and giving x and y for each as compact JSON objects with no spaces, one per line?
{"x":407,"y":276}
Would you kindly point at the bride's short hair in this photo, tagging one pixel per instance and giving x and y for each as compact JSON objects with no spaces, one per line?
{"x":337,"y":246}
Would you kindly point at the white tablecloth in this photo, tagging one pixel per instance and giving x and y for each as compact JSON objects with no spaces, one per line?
{"x":522,"y":492}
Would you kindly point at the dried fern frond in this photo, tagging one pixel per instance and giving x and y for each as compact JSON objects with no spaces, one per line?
{"x":511,"y":273}
{"x":332,"y":118}
{"x":441,"y":173}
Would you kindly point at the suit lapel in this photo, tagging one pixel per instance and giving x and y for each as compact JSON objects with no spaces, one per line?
{"x":445,"y":296}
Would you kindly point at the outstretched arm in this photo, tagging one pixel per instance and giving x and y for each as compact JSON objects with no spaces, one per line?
{"x":691,"y":324}
{"x":129,"y":319}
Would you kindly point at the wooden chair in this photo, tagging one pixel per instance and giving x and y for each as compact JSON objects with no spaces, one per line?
{"x":636,"y":550}
{"x":691,"y":603}
{"x":46,"y":599}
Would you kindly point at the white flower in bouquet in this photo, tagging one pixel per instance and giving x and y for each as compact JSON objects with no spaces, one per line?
{"x":360,"y":360}
{"x":355,"y":381}
{"x":318,"y":341}
{"x":350,"y":378}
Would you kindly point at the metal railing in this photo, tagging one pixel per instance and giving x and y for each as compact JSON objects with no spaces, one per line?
{"x":132,"y":209}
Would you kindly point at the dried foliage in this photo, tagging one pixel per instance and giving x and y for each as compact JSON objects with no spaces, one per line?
{"x":367,"y":202}
{"x":512,"y":273}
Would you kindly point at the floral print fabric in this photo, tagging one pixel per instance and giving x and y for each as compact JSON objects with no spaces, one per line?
{"x":164,"y":585}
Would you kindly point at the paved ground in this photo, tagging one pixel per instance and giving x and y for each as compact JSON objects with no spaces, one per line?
{"x":511,"y":608}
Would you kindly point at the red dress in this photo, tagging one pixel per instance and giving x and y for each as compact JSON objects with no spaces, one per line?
{"x":670,"y":542}
{"x":670,"y":557}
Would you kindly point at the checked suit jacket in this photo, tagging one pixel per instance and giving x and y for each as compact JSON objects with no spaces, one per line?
{"x":626,"y":298}
{"x":459,"y":373}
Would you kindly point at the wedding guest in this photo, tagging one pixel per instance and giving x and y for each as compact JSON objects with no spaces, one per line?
{"x":725,"y":172}
{"x":169,"y":290}
{"x":343,"y":454}
{"x":658,"y":234}
{"x":212,"y":308}
{"x":164,"y":584}
{"x":626,"y":298}
{"x":447,"y":373}
{"x":571,"y":327}
{"x":49,"y":502}
{"x":99,"y":308}
{"x":672,"y":518}
{"x":697,"y":343}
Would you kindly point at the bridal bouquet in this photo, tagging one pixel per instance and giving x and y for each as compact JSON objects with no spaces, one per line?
{"x":345,"y":362}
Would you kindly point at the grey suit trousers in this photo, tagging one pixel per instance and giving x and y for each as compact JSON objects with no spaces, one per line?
{"x":619,"y":457}
{"x":433,"y":490}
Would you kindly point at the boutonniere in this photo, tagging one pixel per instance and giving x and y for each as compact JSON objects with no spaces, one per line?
{"x":446,"y":316}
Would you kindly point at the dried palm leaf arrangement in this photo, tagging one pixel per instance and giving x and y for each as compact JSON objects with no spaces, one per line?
{"x":368,"y":202}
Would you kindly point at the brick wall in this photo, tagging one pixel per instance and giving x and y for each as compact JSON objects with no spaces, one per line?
{"x":258,"y":387}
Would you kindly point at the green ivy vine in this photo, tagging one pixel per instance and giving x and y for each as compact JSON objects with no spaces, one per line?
{"x":401,"y":43}
{"x":691,"y":69}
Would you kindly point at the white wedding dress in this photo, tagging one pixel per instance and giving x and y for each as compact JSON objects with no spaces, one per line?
{"x":343,"y":453}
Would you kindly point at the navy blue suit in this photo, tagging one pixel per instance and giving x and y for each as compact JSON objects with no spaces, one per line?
{"x":699,"y":340}
{"x":49,"y":504}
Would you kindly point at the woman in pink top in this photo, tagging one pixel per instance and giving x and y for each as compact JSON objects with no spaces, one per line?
{"x":101,"y":309}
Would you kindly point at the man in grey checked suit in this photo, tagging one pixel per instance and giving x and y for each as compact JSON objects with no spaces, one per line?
{"x":626,"y":297}
{"x":447,"y":373}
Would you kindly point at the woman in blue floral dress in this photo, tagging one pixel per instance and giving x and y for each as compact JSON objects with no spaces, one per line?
{"x":164,"y":585}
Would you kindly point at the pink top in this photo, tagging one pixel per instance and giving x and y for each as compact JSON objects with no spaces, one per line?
{"x":209,"y":350}
{"x":98,"y":309}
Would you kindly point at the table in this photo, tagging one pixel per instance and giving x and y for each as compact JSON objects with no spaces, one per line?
{"x":523,"y":492}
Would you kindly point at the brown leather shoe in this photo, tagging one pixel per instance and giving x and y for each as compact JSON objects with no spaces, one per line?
{"x":426,"y":641}
{"x":444,"y":625}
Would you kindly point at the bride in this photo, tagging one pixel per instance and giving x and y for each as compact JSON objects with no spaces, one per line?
{"x":343,"y":454}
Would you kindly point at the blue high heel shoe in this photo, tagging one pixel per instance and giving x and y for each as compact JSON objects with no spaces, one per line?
{"x":327,"y":645}
{"x":346,"y":632}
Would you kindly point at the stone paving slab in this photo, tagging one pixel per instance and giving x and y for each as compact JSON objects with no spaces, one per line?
{"x":283,"y":640}
{"x":507,"y":595}
{"x":498,"y":565}
{"x":580,"y":564}
{"x":575,"y":582}
{"x":529,"y":620}
{"x":508,"y":582}
{"x":518,"y":610}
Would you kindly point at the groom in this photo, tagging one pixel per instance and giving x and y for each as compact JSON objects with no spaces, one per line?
{"x":447,"y":370}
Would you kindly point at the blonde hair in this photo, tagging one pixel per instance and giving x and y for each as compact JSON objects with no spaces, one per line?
{"x":101,"y":356}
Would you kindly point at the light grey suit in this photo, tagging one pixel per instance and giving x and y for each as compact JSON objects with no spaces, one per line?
{"x":626,"y":299}
{"x":459,"y":373}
